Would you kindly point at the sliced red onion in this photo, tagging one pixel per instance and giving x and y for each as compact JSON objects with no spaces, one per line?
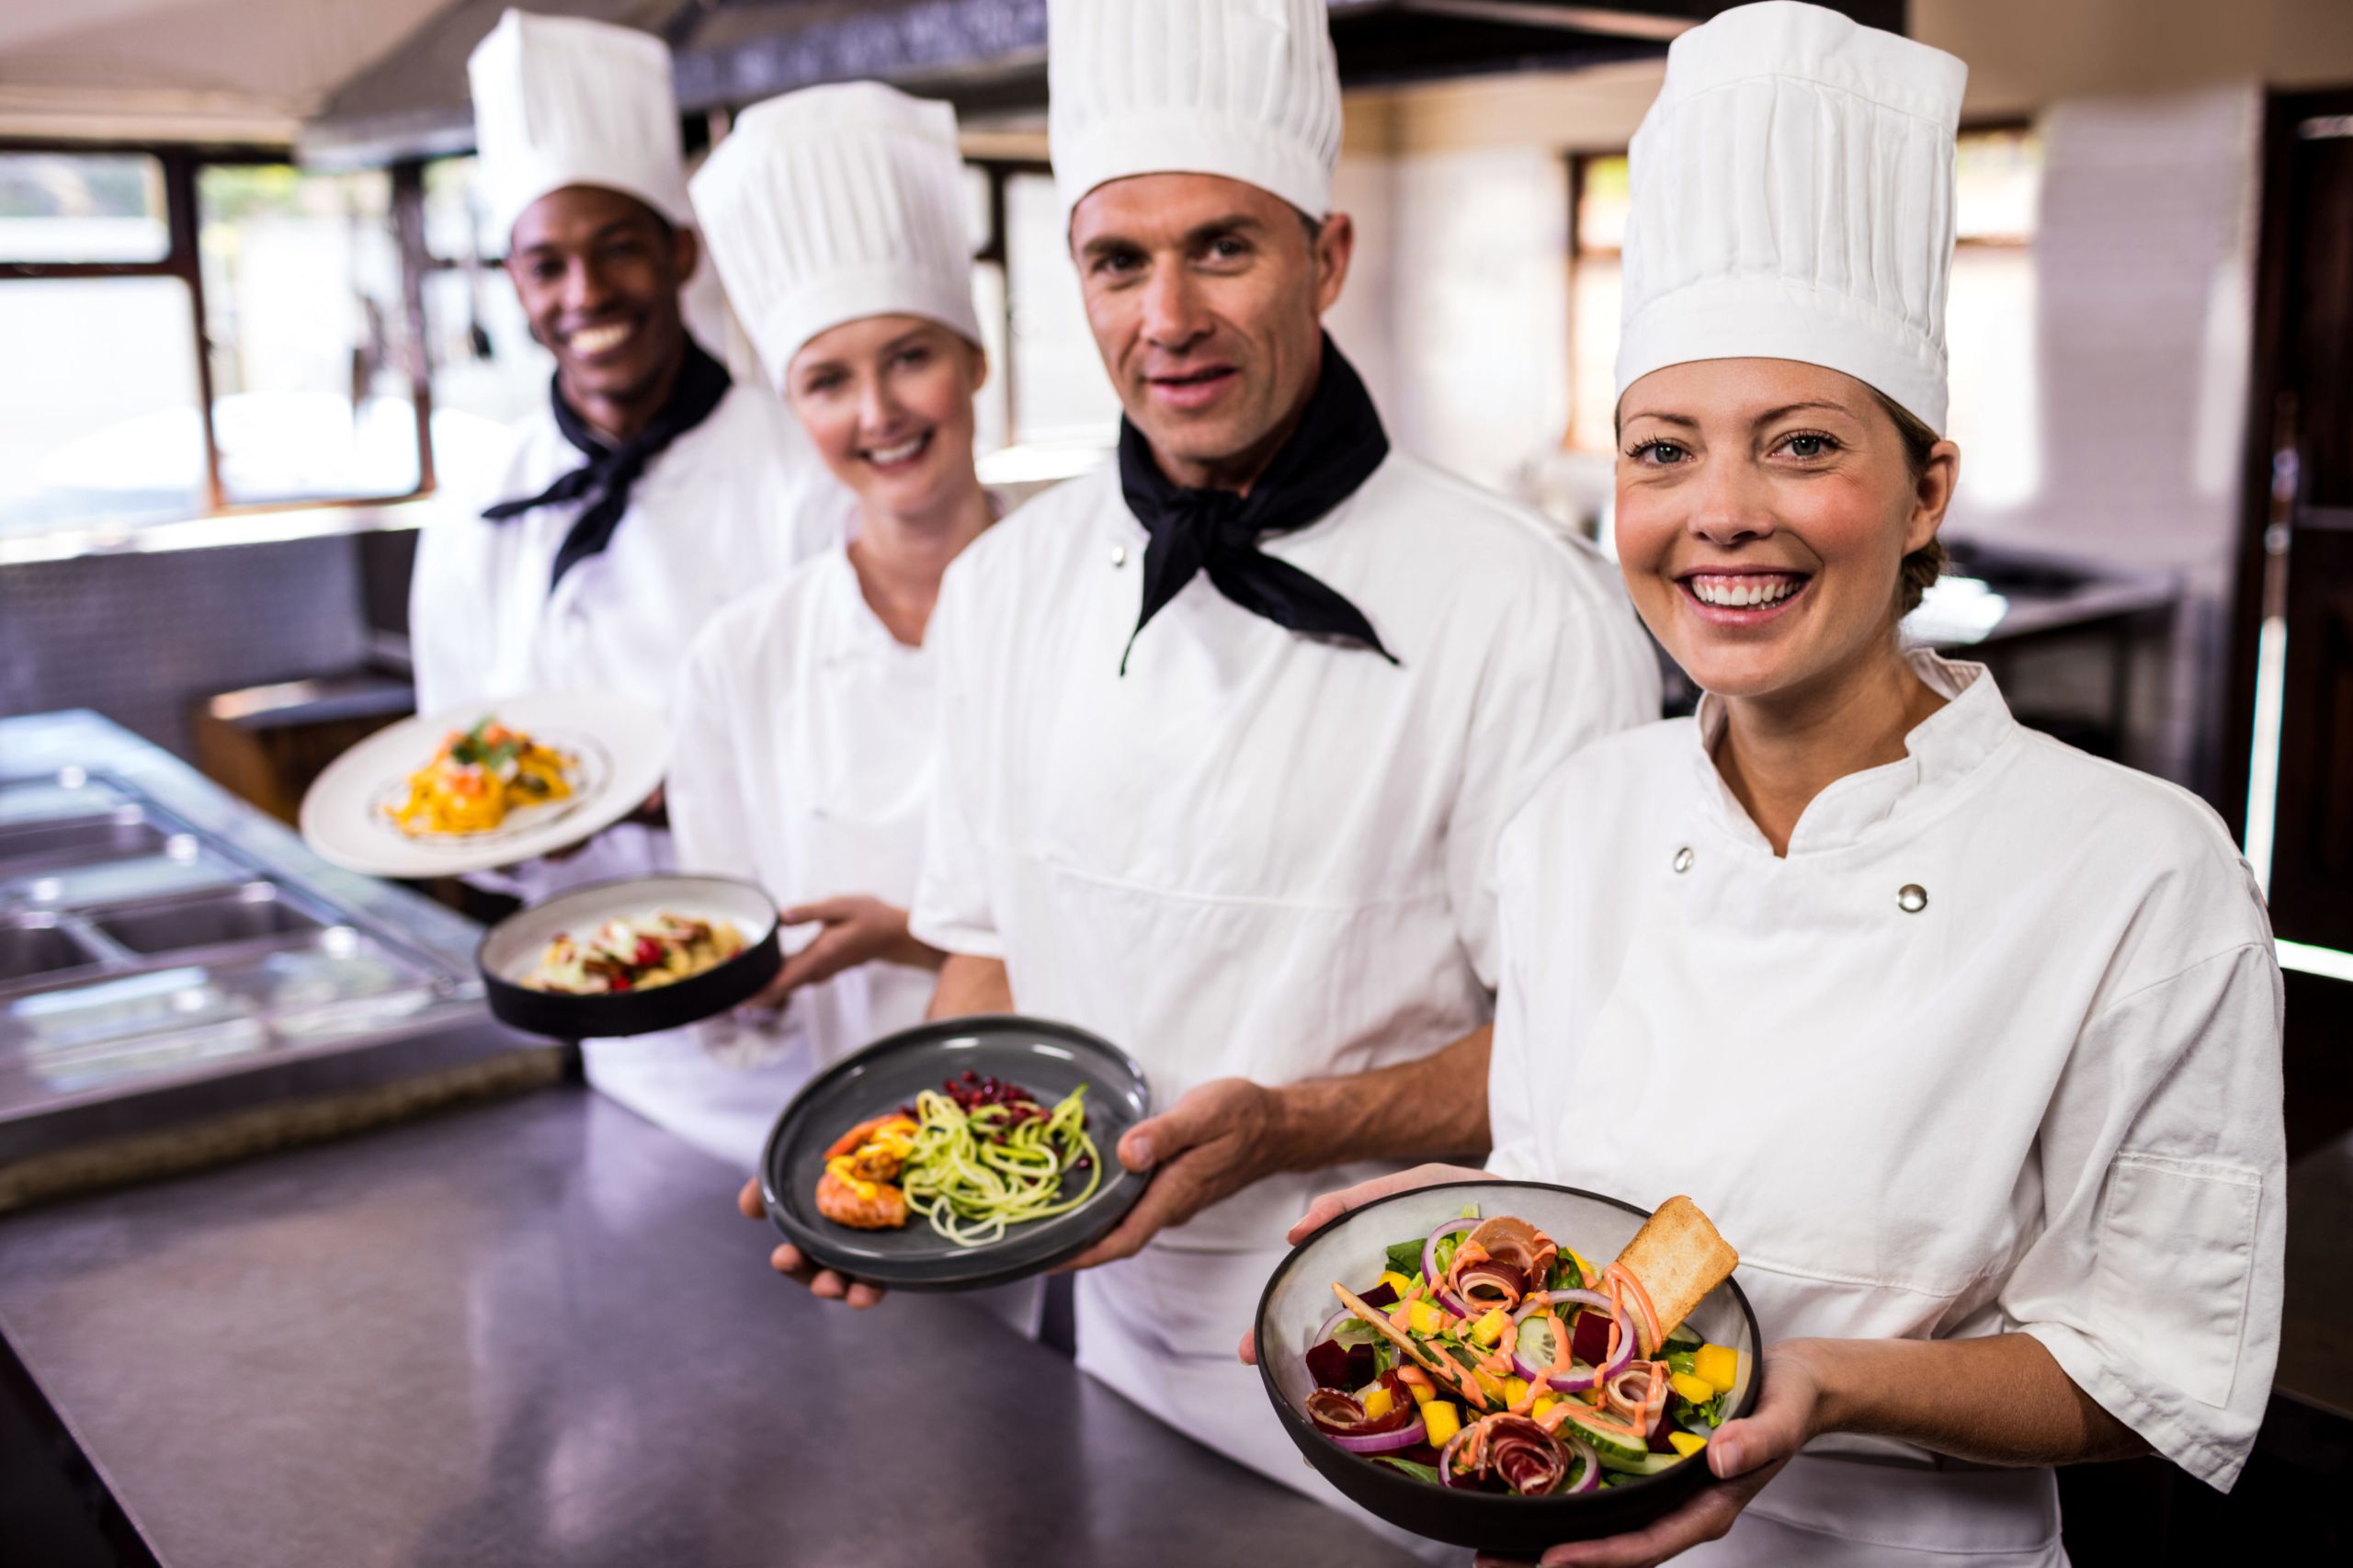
{"x":1446,"y":1457}
{"x":1618,"y":1363}
{"x":1331,"y":1326}
{"x":1405,"y":1437}
{"x":1429,"y":1264}
{"x":1582,"y":1298}
{"x":1589,"y":1476}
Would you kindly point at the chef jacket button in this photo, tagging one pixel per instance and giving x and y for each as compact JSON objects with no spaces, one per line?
{"x":1683,"y":859}
{"x":1119,"y":555}
{"x":1911,"y":898}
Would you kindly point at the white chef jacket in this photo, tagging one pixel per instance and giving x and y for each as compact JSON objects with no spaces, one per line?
{"x":728,"y":506}
{"x":2047,"y":1101}
{"x":1257,"y":854}
{"x":804,"y":764}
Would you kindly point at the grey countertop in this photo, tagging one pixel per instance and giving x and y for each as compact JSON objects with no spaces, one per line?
{"x":536,"y":1333}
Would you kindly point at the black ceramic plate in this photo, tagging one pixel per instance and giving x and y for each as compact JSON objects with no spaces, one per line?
{"x":1048,"y":1058}
{"x":511,"y":949}
{"x":1298,"y":1301}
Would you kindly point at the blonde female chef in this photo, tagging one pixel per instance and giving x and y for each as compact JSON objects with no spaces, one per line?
{"x":836,"y":219}
{"x":1968,"y":1041}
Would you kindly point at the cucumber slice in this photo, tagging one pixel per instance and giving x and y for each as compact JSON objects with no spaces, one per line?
{"x":1535,"y":1342}
{"x":1649,"y":1464}
{"x":1617,"y":1452}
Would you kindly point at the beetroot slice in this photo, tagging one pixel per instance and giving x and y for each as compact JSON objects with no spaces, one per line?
{"x":1589,"y":1340}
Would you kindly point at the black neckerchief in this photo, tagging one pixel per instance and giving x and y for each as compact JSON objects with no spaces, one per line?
{"x":1338,"y":445}
{"x":604,"y":482}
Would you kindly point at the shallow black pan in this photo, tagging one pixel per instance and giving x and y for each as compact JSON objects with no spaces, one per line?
{"x":511,"y":949}
{"x":1298,"y":1301}
{"x":1048,"y":1058}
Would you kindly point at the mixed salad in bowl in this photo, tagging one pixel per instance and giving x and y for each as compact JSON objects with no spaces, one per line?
{"x":1489,"y":1356}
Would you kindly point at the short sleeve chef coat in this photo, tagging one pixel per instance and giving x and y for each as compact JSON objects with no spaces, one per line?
{"x":723,"y":510}
{"x":1995,"y":1048}
{"x":1257,"y":854}
{"x":804,"y":764}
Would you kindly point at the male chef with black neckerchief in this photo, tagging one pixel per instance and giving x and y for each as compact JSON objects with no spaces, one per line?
{"x":1230,"y":726}
{"x":650,"y":492}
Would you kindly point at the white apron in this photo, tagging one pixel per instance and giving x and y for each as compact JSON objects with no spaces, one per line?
{"x":2036,"y":1092}
{"x":1257,"y":854}
{"x":728,"y":507}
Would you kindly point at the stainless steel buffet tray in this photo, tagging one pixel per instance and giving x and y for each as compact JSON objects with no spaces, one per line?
{"x":168,"y":955}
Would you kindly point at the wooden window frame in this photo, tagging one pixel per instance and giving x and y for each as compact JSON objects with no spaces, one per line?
{"x":182,"y":165}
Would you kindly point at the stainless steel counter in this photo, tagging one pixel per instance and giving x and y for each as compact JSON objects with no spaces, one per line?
{"x":536,"y":1333}
{"x":170,"y":957}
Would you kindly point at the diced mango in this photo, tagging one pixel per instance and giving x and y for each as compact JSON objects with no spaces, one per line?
{"x":1397,"y":1283}
{"x":1489,"y":1329}
{"x":1544,"y":1401}
{"x":1492,"y":1384}
{"x":1426,"y":1317}
{"x":1379,"y":1403}
{"x":1586,"y":1269}
{"x":1694,"y":1391}
{"x":1718,"y":1366}
{"x":1423,"y":1394}
{"x":1442,"y":1421}
{"x":1515,"y":1390}
{"x":1686,"y":1443}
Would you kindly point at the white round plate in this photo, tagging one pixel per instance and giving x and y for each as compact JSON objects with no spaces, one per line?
{"x":622,"y":747}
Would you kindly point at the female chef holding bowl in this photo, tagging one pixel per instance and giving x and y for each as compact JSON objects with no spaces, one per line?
{"x":835,"y":216}
{"x":1968,"y":1041}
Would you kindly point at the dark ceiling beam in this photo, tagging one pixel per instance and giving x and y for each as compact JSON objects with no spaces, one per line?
{"x":978,"y":54}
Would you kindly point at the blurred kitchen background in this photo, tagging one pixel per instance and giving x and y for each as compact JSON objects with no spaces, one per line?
{"x":251,"y":327}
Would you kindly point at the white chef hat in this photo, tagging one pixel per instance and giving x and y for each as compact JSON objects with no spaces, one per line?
{"x":1243,"y":88}
{"x":1792,"y":199}
{"x":560,"y":101}
{"x":835,"y":203}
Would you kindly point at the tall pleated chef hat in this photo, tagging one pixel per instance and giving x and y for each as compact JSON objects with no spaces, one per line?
{"x":561,"y":101}
{"x":1793,"y":199}
{"x":1243,"y":88}
{"x":837,"y":203}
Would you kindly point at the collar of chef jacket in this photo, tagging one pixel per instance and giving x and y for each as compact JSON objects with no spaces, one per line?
{"x":1941,"y":751}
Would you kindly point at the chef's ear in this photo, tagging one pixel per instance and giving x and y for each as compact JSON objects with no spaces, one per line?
{"x":1932,"y":489}
{"x":686,"y":253}
{"x":977,"y":358}
{"x":1331,"y":242}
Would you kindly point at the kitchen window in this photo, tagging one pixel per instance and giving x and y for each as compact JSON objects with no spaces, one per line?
{"x":192,"y":335}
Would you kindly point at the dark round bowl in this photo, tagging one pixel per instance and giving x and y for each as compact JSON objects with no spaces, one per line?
{"x":1047,"y":1058}
{"x":1298,"y":1299}
{"x":511,"y":949}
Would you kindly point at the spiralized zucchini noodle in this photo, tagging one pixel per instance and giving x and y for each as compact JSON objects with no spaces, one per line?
{"x":973,"y":1174}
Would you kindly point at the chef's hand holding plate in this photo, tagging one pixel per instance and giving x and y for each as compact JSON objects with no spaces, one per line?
{"x":852,"y":929}
{"x":1214,"y":1142}
{"x":823,"y":1283}
{"x":1743,"y":1454}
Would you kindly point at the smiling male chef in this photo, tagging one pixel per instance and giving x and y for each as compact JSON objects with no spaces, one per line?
{"x":1230,"y":726}
{"x":650,"y":491}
